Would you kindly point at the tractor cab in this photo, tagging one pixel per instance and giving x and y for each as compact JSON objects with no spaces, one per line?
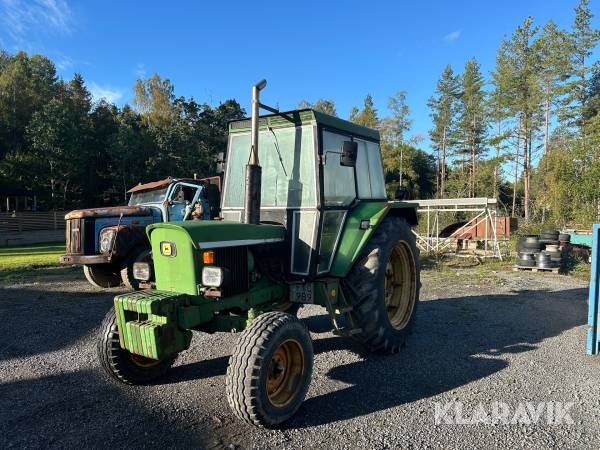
{"x":317,"y":170}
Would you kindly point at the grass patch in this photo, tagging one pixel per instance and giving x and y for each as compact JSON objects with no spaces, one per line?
{"x":476,"y":270}
{"x":25,"y":258}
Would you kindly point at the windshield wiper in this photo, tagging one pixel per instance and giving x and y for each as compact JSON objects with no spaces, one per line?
{"x":278,"y":152}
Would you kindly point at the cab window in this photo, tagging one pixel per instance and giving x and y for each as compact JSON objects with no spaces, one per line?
{"x":338,"y":181}
{"x":369,"y":171}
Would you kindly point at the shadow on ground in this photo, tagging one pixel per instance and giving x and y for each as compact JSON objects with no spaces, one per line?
{"x":455,"y":341}
{"x":452,"y":345}
{"x":36,"y":321}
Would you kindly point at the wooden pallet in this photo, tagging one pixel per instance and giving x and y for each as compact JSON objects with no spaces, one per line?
{"x":535,"y":269}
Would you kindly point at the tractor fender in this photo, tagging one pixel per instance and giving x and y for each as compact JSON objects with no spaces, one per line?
{"x":354,"y":236}
{"x":404,"y":210}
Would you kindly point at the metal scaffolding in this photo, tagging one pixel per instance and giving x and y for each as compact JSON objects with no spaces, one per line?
{"x":482,"y":211}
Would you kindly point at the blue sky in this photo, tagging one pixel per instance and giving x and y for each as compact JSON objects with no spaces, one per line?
{"x":306,"y":50}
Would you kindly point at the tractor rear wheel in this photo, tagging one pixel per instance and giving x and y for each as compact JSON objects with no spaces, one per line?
{"x":122,"y":365}
{"x":102,"y":275}
{"x":270,"y":369}
{"x":383,"y":287}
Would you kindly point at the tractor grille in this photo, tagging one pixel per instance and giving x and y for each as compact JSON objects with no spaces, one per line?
{"x":235,"y":260}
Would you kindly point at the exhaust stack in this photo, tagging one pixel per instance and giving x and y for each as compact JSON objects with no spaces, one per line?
{"x":253,"y":169}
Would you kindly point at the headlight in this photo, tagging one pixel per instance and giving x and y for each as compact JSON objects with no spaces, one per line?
{"x":142,"y":271}
{"x":212,"y":276}
{"x":107,"y":237}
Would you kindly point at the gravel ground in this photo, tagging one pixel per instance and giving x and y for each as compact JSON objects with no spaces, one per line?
{"x":498,"y":337}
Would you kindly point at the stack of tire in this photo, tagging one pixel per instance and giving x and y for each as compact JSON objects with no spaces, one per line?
{"x":550,"y":242}
{"x":528,"y":248}
{"x":543,"y":251}
{"x":564,"y":240}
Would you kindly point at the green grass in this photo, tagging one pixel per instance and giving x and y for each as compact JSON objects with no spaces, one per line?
{"x":28,"y":257}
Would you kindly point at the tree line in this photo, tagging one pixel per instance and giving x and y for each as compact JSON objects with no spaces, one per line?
{"x":72,"y":152}
{"x":527,"y":133}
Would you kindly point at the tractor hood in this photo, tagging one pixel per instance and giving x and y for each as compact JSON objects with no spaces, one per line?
{"x":113,"y":211}
{"x":223,"y":233}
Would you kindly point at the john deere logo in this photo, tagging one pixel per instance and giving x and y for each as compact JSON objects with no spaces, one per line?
{"x":167,"y":249}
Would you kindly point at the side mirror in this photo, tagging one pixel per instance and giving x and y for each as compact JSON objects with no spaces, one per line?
{"x":220,"y":162}
{"x":349,"y":154}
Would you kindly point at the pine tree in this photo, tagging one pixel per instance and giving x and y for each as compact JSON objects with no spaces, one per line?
{"x":443,"y":107}
{"x":471,"y":126}
{"x":522,"y":61}
{"x":584,"y":39}
{"x":555,"y":49}
{"x":367,"y":116}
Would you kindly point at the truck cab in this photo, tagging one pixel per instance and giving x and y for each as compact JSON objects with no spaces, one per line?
{"x":108,"y":241}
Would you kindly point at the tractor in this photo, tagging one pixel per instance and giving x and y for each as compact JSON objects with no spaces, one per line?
{"x":304,"y":220}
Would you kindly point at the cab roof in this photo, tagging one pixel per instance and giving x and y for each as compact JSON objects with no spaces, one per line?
{"x":305,"y":117}
{"x":167,"y":181}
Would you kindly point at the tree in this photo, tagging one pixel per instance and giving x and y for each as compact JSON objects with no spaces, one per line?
{"x":155,"y":98}
{"x":394,"y":126}
{"x":326,"y":106}
{"x":584,"y":39}
{"x":443,"y":107}
{"x":367,"y":116}
{"x":471,"y":125}
{"x":499,"y":111}
{"x":522,"y":62}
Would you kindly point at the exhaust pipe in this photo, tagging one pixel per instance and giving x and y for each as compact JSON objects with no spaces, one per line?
{"x":253,"y":169}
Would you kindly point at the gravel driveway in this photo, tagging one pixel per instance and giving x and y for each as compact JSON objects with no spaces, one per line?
{"x":514,"y":338}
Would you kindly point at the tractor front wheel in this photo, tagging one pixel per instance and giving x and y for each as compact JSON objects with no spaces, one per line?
{"x":102,"y":275}
{"x":270,"y":369}
{"x":383,"y":287}
{"x":123,"y":365}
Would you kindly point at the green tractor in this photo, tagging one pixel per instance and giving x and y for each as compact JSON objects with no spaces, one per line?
{"x":310,"y":225}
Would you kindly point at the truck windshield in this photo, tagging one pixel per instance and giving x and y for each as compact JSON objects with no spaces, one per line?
{"x":152,"y":196}
{"x":287,"y":158}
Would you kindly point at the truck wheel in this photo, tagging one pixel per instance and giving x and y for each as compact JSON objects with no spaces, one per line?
{"x":143,"y":254}
{"x":123,"y":365}
{"x":270,"y":369}
{"x":102,"y":275}
{"x":383,"y":287}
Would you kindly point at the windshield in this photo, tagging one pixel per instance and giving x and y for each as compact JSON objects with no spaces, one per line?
{"x":152,"y":196}
{"x":287,"y":158}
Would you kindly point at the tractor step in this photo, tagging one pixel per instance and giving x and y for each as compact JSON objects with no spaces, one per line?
{"x":346,"y":331}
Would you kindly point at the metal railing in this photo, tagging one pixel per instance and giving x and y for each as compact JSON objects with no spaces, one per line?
{"x":20,"y":221}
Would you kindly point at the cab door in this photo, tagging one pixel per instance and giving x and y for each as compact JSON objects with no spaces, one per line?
{"x":339,"y":193}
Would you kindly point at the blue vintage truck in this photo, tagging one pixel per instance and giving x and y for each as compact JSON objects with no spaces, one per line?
{"x":108,"y":241}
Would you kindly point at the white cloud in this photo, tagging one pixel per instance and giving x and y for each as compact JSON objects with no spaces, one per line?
{"x":140,"y":70}
{"x":451,"y":37}
{"x":64,"y":63}
{"x":108,"y":93}
{"x":19,"y":17}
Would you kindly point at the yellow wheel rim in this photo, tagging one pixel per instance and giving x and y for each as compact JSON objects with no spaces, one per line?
{"x":142,"y":361}
{"x":285,"y":372}
{"x":400,"y":285}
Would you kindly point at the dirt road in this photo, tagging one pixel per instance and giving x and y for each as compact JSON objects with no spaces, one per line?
{"x":479,"y":339}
